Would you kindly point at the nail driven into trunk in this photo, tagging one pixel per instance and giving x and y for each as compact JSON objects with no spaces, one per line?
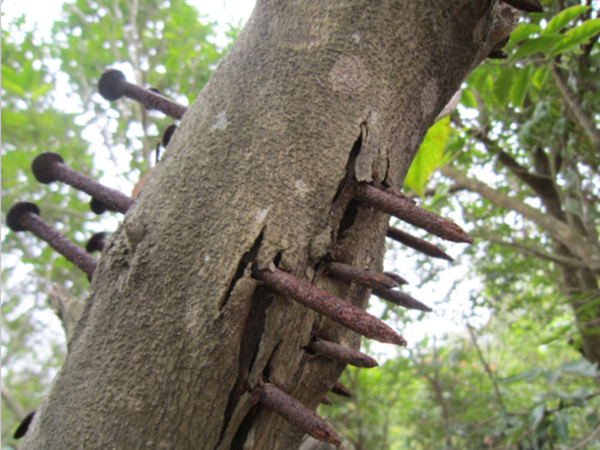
{"x":113,"y":85}
{"x":299,"y":415}
{"x":410,"y":213}
{"x":96,"y":243}
{"x":364,"y":277}
{"x":49,"y":167}
{"x":401,"y":299}
{"x":328,"y":305}
{"x":24,"y":216}
{"x":341,"y":353}
{"x":526,"y":5}
{"x":339,"y":389}
{"x":418,"y":244}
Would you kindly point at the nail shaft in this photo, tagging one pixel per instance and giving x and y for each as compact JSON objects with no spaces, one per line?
{"x":24,"y":217}
{"x":418,"y":244}
{"x":401,"y":299}
{"x":397,"y":278}
{"x":341,"y":353}
{"x":96,"y":243}
{"x":365,"y":277}
{"x":326,"y":401}
{"x":298,"y":414}
{"x":526,"y":5}
{"x":48,"y":167}
{"x":339,"y":389}
{"x":410,"y":213}
{"x":330,"y":306}
{"x":113,"y":85}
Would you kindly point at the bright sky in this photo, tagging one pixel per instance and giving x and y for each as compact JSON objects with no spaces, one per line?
{"x":446,"y":317}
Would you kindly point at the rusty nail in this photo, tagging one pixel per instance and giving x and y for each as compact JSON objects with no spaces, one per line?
{"x":365,"y":277}
{"x":24,"y":425}
{"x":298,"y":414}
{"x":526,"y":5}
{"x":418,"y":244}
{"x":339,"y":389}
{"x":411,"y":213}
{"x":397,"y":278}
{"x":48,"y":167}
{"x":168,"y":134}
{"x":497,"y":54}
{"x":401,"y":299}
{"x":341,"y":353}
{"x":112,"y":86}
{"x":328,"y":305}
{"x":24,"y":216}
{"x":326,"y":401}
{"x":96,"y":243}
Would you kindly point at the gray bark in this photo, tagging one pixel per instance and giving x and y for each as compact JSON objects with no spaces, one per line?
{"x":176,"y":330}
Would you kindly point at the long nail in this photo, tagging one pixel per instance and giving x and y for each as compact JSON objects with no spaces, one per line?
{"x":24,"y":216}
{"x":401,"y":299}
{"x":365,"y":277}
{"x":49,"y":167}
{"x":328,"y":305}
{"x":112,"y":86}
{"x":418,"y":244}
{"x":410,"y":213}
{"x":526,"y":5}
{"x":341,"y":353}
{"x":497,"y":54}
{"x":339,"y":389}
{"x":326,"y":401}
{"x":24,"y":425}
{"x":96,"y":243}
{"x":298,"y":414}
{"x":397,"y":278}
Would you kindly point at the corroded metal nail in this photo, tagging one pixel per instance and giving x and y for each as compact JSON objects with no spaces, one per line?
{"x":112,"y":86}
{"x":168,"y":134}
{"x":418,"y":244}
{"x":397,"y":278}
{"x":96,"y":243}
{"x":298,"y":414}
{"x":326,"y":401}
{"x":24,"y":425}
{"x":339,"y":389}
{"x":329,"y":305}
{"x":341,"y":353}
{"x":365,"y":277}
{"x":410,"y":213}
{"x":49,"y":167}
{"x":526,"y":5}
{"x":24,"y":216}
{"x":497,"y":54}
{"x":401,"y":299}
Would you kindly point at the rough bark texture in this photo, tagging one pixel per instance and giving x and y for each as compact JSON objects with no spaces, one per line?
{"x":176,"y":330}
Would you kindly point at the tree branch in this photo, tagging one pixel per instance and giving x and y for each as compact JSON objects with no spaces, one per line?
{"x":528,"y":250}
{"x":560,"y":231}
{"x":572,"y":100}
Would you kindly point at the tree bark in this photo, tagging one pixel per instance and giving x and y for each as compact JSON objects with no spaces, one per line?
{"x":176,"y":332}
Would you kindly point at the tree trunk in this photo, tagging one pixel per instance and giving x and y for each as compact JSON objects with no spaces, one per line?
{"x":176,"y":332}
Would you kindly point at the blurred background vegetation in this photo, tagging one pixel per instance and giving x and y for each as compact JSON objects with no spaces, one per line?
{"x":516,"y":366}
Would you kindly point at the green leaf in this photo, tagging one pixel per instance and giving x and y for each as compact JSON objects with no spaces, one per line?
{"x":537,"y":45}
{"x":560,"y":427}
{"x":520,"y":86}
{"x":561,"y":20}
{"x":428,"y":156}
{"x":503,"y":86}
{"x":539,"y":77}
{"x":528,"y":375}
{"x":523,"y":31}
{"x":468,"y":99}
{"x":580,"y":367}
{"x":576,"y":36}
{"x":536,"y":414}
